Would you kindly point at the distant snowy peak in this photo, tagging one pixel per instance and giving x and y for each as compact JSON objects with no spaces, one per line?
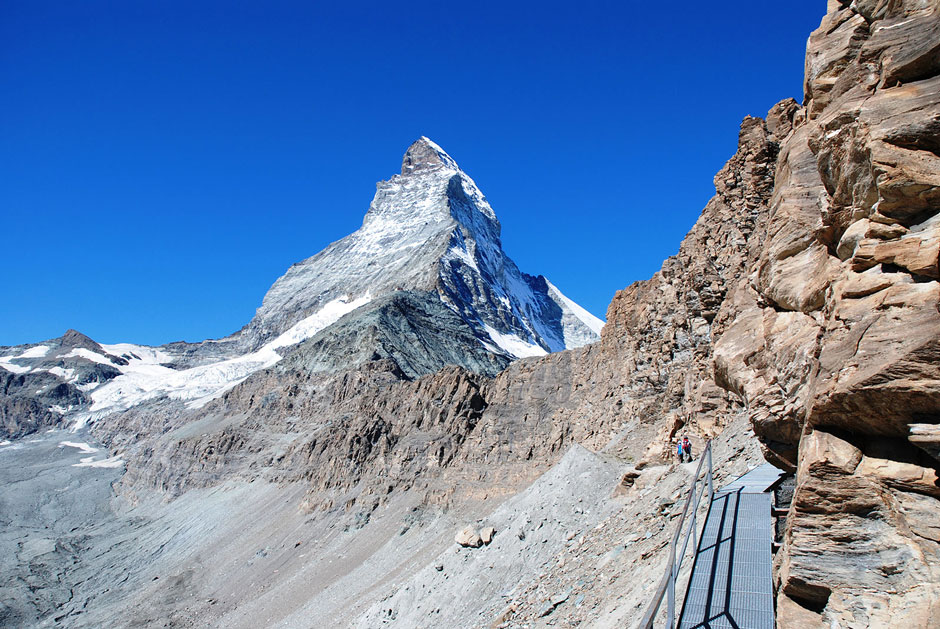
{"x":575,"y":318}
{"x":425,"y":279}
{"x":430,"y":228}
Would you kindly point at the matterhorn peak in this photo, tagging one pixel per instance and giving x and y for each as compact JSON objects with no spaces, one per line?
{"x":431,"y":233}
{"x":424,"y":154}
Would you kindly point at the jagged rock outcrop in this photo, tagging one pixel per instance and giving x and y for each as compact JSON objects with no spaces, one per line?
{"x":834,"y":343}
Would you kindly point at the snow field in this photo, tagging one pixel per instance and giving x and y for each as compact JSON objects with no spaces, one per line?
{"x":144,"y":378}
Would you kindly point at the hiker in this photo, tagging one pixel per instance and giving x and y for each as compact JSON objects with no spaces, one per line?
{"x":679,"y":450}
{"x":686,"y":447}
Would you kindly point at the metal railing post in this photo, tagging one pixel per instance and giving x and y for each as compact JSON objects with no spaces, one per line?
{"x":711,"y":489}
{"x":671,"y":592}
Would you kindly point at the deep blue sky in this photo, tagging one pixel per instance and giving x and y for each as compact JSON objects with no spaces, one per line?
{"x":164,"y":162}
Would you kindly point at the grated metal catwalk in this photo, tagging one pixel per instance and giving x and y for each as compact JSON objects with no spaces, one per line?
{"x":758,"y":480}
{"x":730,"y":585}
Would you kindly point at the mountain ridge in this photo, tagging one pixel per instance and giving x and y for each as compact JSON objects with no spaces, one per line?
{"x":430,"y":228}
{"x":429,"y":243}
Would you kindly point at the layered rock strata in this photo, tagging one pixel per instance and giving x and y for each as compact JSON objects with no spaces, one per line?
{"x":834,"y":342}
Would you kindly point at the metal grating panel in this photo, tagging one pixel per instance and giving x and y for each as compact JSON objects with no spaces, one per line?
{"x":731,"y":583}
{"x":758,"y":480}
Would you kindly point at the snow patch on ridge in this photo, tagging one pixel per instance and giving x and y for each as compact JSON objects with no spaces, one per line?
{"x":33,"y":352}
{"x":17,"y":369}
{"x":36,"y":352}
{"x":513,"y":344}
{"x":325,"y":316}
{"x":66,"y":374}
{"x":87,"y":354}
{"x":130,"y":351}
{"x":89,"y":461}
{"x":145,"y":378}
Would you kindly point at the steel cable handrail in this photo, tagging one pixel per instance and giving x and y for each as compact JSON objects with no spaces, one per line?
{"x":667,"y":585}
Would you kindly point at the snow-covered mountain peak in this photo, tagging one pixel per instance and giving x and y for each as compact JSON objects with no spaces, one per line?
{"x":431,"y":193}
{"x":430,"y":229}
{"x":424,"y":154}
{"x":424,"y":283}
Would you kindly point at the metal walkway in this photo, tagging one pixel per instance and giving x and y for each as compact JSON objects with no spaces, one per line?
{"x":730,"y":585}
{"x":762,"y":478}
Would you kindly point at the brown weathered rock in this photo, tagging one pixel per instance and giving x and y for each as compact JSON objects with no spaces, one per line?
{"x":835,"y":344}
{"x":927,"y":438}
{"x":820,"y":452}
{"x":849,"y":533}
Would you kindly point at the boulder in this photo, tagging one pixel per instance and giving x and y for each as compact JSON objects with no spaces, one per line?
{"x":468,"y":537}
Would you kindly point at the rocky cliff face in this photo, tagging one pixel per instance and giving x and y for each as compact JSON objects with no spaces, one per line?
{"x":833,"y":342}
